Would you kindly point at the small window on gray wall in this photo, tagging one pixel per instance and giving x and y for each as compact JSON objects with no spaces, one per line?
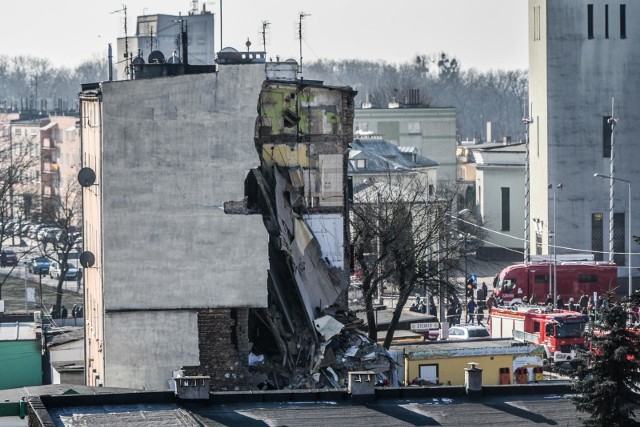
{"x":606,"y":21}
{"x":606,"y":137}
{"x":590,"y":21}
{"x":506,"y":217}
{"x":623,"y":21}
{"x":597,"y":235}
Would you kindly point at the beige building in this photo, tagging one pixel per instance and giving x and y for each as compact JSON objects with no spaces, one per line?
{"x":493,"y":176}
{"x":431,"y":130}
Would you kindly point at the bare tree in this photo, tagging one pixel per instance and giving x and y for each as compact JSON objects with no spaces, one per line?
{"x":403,"y":235}
{"x":17,"y":194}
{"x":63,"y":211}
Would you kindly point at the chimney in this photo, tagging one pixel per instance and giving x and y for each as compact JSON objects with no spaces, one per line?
{"x":473,"y":380}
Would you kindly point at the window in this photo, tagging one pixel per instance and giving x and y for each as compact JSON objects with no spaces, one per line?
{"x":535,"y":23}
{"x":429,"y":373}
{"x":623,"y":21}
{"x":18,"y":131}
{"x":414,"y":128}
{"x":588,"y":278}
{"x":597,"y":236}
{"x":361,"y":163}
{"x":541,"y":278}
{"x":606,"y":137}
{"x":506,"y":217}
{"x":362,"y":126}
{"x":590,"y":21}
{"x":606,"y":21}
{"x":536,"y":327}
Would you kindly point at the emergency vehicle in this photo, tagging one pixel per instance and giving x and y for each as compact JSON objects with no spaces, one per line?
{"x":574,"y":279}
{"x":561,"y":332}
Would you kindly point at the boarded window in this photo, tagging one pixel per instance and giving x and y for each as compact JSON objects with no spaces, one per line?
{"x":597,"y":236}
{"x":506,"y":217}
{"x":429,"y":373}
{"x":623,"y":21}
{"x":606,"y":137}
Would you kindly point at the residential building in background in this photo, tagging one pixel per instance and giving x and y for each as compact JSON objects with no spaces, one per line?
{"x":432,"y":131}
{"x":584,"y":58}
{"x":371,"y":157}
{"x":498,"y":172}
{"x":159,"y":38}
{"x":49,"y":149}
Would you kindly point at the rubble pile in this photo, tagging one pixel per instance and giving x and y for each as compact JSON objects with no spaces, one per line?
{"x":343,"y":348}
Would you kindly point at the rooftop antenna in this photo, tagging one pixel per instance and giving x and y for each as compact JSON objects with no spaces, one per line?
{"x":126,"y":40}
{"x":151,"y":39}
{"x":221,"y":45}
{"x":265,"y":24}
{"x":302,"y":16}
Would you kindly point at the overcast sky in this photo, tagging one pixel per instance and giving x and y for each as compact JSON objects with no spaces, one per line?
{"x":482,"y":34}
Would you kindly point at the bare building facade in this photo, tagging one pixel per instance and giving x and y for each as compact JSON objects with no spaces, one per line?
{"x":584,"y":58}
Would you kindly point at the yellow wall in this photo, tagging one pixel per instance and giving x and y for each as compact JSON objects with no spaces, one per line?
{"x":452,"y":369}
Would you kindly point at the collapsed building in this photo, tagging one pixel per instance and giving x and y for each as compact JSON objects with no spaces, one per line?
{"x":181,"y":278}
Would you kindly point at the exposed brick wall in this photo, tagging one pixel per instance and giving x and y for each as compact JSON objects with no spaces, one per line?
{"x":223,"y":342}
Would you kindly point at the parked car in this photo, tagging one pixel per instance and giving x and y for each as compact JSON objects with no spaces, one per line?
{"x":468,"y":332}
{"x":55,"y":271}
{"x":39,"y":265}
{"x":8,"y":257}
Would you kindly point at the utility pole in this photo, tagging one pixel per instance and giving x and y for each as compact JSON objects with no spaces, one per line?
{"x":612,"y":122}
{"x":527,"y":120}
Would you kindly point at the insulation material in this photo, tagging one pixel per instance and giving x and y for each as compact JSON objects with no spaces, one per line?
{"x":285,"y":155}
{"x":328,"y":229}
{"x":331,"y":178}
{"x":328,"y":327}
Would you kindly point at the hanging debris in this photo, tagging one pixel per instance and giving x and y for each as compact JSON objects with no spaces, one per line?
{"x":304,"y":339}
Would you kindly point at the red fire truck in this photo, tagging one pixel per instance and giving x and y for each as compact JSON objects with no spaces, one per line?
{"x":561,"y":332}
{"x":573,"y":280}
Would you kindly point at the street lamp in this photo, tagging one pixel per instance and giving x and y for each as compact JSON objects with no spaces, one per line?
{"x":554,"y":295}
{"x":599,"y":175}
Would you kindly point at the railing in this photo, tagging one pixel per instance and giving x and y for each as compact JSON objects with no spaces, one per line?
{"x":526,"y":337}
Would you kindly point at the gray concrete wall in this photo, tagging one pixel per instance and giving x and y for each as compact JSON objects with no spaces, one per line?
{"x":572,"y":82}
{"x":155,"y":344}
{"x":174,"y":150}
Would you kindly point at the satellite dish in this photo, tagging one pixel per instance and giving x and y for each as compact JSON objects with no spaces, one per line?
{"x":156,"y":57}
{"x":87,"y":259}
{"x":86,"y":177}
{"x":138,"y":60}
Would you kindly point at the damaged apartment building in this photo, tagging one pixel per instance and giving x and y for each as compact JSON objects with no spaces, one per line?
{"x":216,"y":243}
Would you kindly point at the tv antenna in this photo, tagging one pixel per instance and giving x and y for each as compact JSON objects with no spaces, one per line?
{"x":265,"y":25}
{"x":126,"y":41}
{"x":302,"y":16}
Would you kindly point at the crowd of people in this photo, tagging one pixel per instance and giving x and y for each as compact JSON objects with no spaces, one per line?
{"x":479,"y":307}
